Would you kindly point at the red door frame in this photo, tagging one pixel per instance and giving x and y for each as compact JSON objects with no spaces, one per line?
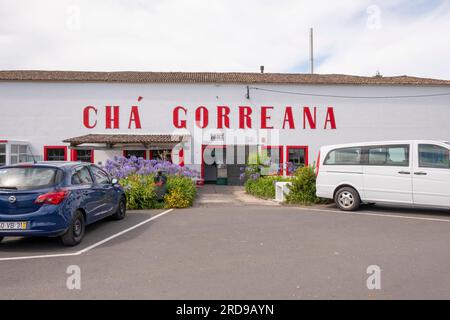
{"x":46,"y":148}
{"x":296,"y":147}
{"x":208,"y":146}
{"x":74,"y":155}
{"x":280,"y":150}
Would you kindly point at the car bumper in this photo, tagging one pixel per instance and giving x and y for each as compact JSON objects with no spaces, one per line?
{"x":49,"y":220}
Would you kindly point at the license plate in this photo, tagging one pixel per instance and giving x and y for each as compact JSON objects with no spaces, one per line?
{"x":13,"y":225}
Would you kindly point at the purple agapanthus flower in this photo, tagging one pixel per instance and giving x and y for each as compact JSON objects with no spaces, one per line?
{"x":121,"y":167}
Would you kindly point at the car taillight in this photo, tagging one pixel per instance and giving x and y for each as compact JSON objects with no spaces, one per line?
{"x":318,"y":164}
{"x":52,"y":197}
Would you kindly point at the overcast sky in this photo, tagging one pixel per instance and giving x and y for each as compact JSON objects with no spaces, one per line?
{"x":394,"y":37}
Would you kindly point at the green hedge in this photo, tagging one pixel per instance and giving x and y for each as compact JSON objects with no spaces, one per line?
{"x":263,"y":187}
{"x":140,"y":192}
{"x":181,"y":192}
{"x":303,"y":187}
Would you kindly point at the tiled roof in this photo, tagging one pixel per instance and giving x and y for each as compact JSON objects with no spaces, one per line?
{"x":112,"y":139}
{"x":215,"y":77}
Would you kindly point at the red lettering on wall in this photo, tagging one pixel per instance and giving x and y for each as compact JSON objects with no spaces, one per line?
{"x":134,"y":117}
{"x":330,"y":118}
{"x":308,"y":117}
{"x":223,"y":117}
{"x":112,"y":119}
{"x":265,"y":118}
{"x":86,"y":117}
{"x":201,"y":117}
{"x":244,"y":117}
{"x":180,"y":124}
{"x":288,"y":118}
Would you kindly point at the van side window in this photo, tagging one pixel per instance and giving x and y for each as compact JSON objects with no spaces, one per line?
{"x":396,"y":155}
{"x":344,"y":156}
{"x":433,"y":156}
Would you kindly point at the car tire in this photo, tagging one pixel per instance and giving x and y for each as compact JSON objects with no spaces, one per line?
{"x":1,"y":239}
{"x":347,"y":199}
{"x":121,"y":210}
{"x":75,"y":233}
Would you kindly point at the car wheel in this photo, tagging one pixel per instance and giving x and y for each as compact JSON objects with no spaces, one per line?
{"x":1,"y":239}
{"x":347,"y":199}
{"x":75,"y":233}
{"x":121,"y":210}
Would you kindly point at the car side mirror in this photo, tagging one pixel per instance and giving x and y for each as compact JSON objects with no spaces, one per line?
{"x":114,"y":181}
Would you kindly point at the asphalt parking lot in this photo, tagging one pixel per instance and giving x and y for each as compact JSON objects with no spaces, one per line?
{"x":240,"y":252}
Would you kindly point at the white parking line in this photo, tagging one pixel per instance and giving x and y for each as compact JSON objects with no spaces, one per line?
{"x":371,"y":213}
{"x":77,"y":253}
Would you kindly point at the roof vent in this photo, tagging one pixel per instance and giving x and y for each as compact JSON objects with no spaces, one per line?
{"x":262,"y":69}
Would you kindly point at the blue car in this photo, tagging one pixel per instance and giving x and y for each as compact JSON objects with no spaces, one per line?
{"x":56,"y":199}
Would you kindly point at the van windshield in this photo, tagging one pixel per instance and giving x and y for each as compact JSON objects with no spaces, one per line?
{"x":22,"y":178}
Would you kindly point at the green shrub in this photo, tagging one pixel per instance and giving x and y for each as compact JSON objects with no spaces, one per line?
{"x":263,"y":187}
{"x":140,"y":192}
{"x":303,"y":187}
{"x":181,"y":192}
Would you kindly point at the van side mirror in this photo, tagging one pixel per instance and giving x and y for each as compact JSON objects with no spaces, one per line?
{"x":114,"y":181}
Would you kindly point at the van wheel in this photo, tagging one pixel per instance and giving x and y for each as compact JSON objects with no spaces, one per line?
{"x":347,"y":199}
{"x":121,"y":210}
{"x":75,"y":233}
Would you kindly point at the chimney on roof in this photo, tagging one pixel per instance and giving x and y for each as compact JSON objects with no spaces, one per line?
{"x":262,"y":69}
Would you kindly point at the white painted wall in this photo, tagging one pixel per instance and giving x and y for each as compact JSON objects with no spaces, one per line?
{"x":46,"y":113}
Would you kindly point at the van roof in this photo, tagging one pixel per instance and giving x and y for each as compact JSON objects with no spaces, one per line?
{"x":374,"y":143}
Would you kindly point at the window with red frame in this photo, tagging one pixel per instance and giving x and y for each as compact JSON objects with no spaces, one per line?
{"x":296,"y":157}
{"x":55,"y":153}
{"x":83,"y":155}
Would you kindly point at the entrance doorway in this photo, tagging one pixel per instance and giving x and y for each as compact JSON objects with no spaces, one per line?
{"x":224,"y":164}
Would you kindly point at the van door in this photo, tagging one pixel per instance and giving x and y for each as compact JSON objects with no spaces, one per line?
{"x":431,"y":179}
{"x":387,"y":173}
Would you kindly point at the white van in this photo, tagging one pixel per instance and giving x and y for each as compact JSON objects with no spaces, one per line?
{"x":409,"y":172}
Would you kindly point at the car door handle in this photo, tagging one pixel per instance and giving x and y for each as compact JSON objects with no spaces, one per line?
{"x":420,"y":173}
{"x":404,"y":172}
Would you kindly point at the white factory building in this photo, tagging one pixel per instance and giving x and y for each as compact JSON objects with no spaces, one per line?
{"x":210,"y":121}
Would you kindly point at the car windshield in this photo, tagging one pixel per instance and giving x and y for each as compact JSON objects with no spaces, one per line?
{"x":21,"y":178}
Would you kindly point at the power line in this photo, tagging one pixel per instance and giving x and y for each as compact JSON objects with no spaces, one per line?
{"x":348,"y":97}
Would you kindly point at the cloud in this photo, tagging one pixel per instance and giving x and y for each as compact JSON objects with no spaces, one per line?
{"x":353,"y":37}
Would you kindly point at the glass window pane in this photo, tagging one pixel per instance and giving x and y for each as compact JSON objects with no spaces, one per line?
{"x":296,"y":157}
{"x":100,"y":176}
{"x":15,"y":148}
{"x":27,"y":178}
{"x":398,"y":156}
{"x":135,"y":153}
{"x":2,"y":159}
{"x":345,"y":156}
{"x":82,"y":176}
{"x":23,"y":148}
{"x":377,"y":156}
{"x":166,"y":154}
{"x":2,"y":148}
{"x":56,"y":154}
{"x":14,"y":159}
{"x":432,"y":156}
{"x":84,"y":155}
{"x":22,"y":158}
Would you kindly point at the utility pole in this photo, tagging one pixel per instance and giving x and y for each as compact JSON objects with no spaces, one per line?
{"x":311,"y":47}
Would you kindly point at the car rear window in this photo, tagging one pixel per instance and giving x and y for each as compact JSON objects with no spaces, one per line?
{"x":24,"y":178}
